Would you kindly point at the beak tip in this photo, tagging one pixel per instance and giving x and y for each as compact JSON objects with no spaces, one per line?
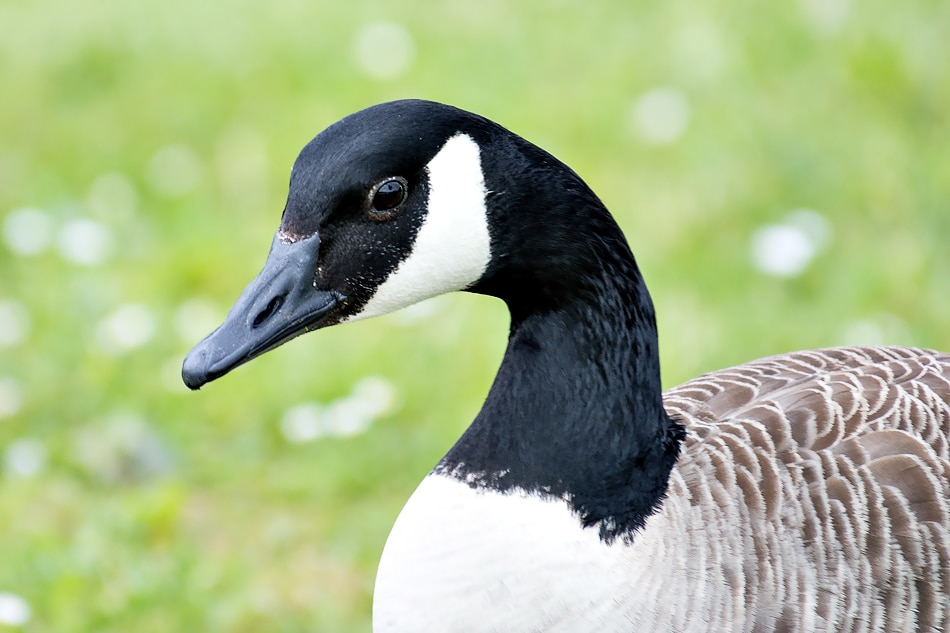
{"x":194,"y":369}
{"x":281,"y":303}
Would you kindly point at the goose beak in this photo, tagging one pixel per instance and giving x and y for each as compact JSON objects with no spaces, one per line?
{"x":281,"y":303}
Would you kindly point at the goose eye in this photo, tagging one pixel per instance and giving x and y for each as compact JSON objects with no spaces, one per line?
{"x":388,"y":195}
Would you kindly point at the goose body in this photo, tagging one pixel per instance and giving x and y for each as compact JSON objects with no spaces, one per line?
{"x":802,"y":492}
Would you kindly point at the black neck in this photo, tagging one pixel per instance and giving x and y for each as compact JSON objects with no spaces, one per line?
{"x":576,"y":409}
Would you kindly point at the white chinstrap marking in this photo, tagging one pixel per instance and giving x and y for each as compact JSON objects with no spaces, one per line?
{"x":452,"y":248}
{"x":475,"y":560}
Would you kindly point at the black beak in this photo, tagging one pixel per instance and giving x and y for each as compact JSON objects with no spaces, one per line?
{"x":280,"y":304}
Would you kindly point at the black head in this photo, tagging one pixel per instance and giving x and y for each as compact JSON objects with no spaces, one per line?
{"x":386,"y":208}
{"x":404,"y":201}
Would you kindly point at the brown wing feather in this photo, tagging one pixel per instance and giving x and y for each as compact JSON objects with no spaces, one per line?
{"x":836,"y":465}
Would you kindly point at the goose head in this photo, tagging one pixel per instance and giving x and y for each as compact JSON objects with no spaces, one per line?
{"x":385,"y":208}
{"x":408,"y":200}
{"x":388,"y":207}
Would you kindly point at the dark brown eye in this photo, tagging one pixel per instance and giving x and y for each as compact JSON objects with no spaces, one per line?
{"x":388,"y":195}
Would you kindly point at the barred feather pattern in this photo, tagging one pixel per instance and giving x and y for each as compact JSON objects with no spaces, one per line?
{"x":825,"y":478}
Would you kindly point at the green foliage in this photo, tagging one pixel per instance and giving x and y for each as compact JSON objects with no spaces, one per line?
{"x":164,"y":132}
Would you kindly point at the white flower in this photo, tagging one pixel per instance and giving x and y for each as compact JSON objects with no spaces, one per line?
{"x":384,"y":50}
{"x":14,"y":610}
{"x":28,"y":231}
{"x":786,"y":249}
{"x":302,"y":423}
{"x":24,"y":458}
{"x":660,"y":116}
{"x":350,"y":415}
{"x":85,"y":242}
{"x":129,"y":326}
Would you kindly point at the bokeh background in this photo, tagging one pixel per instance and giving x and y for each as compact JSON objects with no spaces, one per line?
{"x":782,"y":171}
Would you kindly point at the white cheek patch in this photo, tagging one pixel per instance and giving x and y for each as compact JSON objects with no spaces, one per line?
{"x":452,"y":247}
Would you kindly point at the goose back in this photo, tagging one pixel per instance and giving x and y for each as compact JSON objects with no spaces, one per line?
{"x":818,"y":482}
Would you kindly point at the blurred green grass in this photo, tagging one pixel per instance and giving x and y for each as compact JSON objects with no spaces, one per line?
{"x":127,"y":503}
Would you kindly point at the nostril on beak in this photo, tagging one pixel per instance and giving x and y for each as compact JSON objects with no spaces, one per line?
{"x":272,"y":307}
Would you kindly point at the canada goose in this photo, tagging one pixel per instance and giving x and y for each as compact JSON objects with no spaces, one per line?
{"x":802,"y":492}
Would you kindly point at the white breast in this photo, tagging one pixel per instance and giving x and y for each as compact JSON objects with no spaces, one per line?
{"x":464,"y":559}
